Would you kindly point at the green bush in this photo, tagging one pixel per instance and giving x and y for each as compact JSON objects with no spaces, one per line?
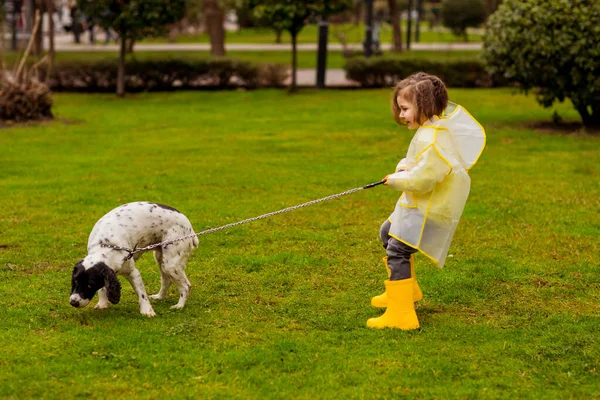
{"x":458,"y":15}
{"x":163,"y":75}
{"x":273,"y":75}
{"x":552,"y":46}
{"x":385,"y":72}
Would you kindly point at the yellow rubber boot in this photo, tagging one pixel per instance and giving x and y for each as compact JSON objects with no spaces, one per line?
{"x":381,"y":300}
{"x":400,"y":312}
{"x":417,"y":294}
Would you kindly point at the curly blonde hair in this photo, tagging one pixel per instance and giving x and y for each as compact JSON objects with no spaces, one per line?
{"x":427,"y":92}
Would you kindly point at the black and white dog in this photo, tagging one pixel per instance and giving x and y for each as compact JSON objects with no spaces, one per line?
{"x":133,"y":225}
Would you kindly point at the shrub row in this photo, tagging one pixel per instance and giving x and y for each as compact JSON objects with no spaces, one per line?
{"x":385,"y":72}
{"x":165,"y":75}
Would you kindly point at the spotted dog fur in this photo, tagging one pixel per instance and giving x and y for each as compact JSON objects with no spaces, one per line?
{"x":133,"y":225}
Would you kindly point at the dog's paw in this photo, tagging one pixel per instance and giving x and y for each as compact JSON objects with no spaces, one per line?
{"x":177,"y":306}
{"x":101,"y":306}
{"x":148,"y":313}
{"x":156,"y":297}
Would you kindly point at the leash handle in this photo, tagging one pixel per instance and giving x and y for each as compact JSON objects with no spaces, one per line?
{"x":370,"y":185}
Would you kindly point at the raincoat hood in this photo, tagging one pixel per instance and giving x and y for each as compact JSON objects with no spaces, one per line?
{"x":467,"y":133}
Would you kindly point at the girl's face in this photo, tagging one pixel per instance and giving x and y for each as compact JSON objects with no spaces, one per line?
{"x":408,"y":112}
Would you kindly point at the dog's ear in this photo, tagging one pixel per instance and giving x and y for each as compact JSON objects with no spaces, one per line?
{"x":112,"y":285}
{"x":78,"y":270}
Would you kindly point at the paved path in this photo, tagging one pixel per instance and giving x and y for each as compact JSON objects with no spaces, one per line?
{"x":333,"y":78}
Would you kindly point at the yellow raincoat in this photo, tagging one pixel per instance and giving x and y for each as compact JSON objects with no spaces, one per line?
{"x":435,"y":182}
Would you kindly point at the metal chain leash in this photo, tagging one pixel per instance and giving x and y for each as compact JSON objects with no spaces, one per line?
{"x":211,"y":230}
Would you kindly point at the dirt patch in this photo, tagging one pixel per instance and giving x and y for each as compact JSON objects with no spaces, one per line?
{"x":562,"y":128}
{"x":31,"y":123}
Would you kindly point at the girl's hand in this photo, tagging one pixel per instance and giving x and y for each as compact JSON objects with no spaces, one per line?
{"x":385,"y":179}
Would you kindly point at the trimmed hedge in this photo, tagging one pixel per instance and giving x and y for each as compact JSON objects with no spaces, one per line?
{"x":385,"y":72}
{"x":165,"y":75}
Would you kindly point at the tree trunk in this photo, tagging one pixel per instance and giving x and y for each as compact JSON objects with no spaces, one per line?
{"x":129,"y":46}
{"x":396,"y":30}
{"x":418,"y":22}
{"x":213,"y":19}
{"x":121,"y":70}
{"x":50,"y":8}
{"x":38,"y":45}
{"x":174,"y":31}
{"x":409,"y":24}
{"x":368,"y":43}
{"x":294,"y":68}
{"x":244,"y":16}
{"x":322,"y":52}
{"x":15,"y":12}
{"x":589,"y":119}
{"x":490,"y":7}
{"x":596,"y":115}
{"x":357,"y":12}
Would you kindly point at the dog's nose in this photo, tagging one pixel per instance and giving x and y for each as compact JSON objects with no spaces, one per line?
{"x":74,"y":303}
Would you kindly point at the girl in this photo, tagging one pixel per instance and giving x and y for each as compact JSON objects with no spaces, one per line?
{"x":435,"y":184}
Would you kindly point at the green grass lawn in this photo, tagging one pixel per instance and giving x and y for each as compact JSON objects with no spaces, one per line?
{"x":309,"y":34}
{"x":278,"y":307}
{"x":306,"y":59}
